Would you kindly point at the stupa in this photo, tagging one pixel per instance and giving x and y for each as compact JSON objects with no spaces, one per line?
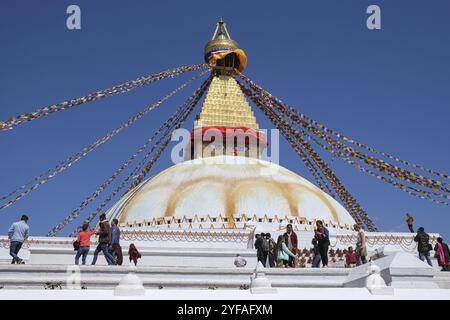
{"x":229,"y":188}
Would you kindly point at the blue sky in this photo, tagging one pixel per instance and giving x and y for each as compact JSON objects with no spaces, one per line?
{"x":389,"y":88}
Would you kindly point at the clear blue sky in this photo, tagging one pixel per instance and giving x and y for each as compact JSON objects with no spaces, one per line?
{"x":389,"y":89}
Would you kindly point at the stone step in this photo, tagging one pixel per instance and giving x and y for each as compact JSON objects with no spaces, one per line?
{"x":104,"y":277}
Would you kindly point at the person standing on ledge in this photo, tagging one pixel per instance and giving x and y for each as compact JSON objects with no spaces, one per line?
{"x":442,"y":254}
{"x":283,"y":253}
{"x":17,"y":234}
{"x":409,"y":222}
{"x":316,"y":252}
{"x":84,"y":239}
{"x":272,"y":247}
{"x":423,"y":245}
{"x":115,"y":242}
{"x":323,"y":240}
{"x":259,"y":249}
{"x":361,"y":249}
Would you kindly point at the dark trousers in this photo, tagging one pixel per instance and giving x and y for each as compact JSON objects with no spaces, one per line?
{"x":134,"y":257}
{"x":360,"y":259}
{"x":410,"y":227}
{"x":323,"y":250}
{"x":262,"y":256}
{"x":14,"y":248}
{"x":117,"y":253}
{"x":291,"y":262}
{"x":272,"y":260}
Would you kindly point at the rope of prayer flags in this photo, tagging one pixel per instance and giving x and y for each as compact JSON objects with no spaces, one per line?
{"x":322,"y":127}
{"x":173,"y":123}
{"x":346,"y":150}
{"x":351,"y":204}
{"x":423,"y":194}
{"x":343,"y":153}
{"x":380,"y":165}
{"x":118,"y":89}
{"x":63,"y":165}
{"x":75,"y":213}
{"x":194,"y":100}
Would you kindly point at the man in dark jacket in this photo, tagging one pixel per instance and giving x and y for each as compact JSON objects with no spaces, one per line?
{"x":103,"y":241}
{"x":260,"y":253}
{"x":423,"y":245}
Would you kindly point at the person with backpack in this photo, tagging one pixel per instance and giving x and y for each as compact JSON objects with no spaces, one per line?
{"x":271,"y":253}
{"x":82,"y":244}
{"x":262,"y":248}
{"x":423,"y":245}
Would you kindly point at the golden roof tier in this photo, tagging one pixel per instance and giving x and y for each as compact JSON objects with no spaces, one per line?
{"x":225,"y":105}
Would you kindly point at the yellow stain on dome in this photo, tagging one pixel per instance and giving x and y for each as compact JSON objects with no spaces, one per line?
{"x":320,"y":194}
{"x":233,"y":189}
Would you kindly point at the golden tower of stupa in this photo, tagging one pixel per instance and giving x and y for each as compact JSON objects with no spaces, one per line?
{"x":225,"y":108}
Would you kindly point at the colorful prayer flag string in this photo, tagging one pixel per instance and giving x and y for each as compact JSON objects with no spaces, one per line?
{"x":75,"y":213}
{"x":382,"y":166}
{"x":320,"y":126}
{"x":63,"y":165}
{"x":173,"y":123}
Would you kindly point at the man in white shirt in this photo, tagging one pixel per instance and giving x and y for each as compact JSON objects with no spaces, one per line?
{"x":17,"y":234}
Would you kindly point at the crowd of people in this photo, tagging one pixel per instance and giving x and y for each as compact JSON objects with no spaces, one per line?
{"x":108,"y":242}
{"x":285,"y":252}
{"x":441,"y":249}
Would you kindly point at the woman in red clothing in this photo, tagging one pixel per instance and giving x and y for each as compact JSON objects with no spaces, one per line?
{"x":133,"y":253}
{"x":84,"y":239}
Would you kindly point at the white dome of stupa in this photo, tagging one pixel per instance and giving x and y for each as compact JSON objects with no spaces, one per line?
{"x":228,"y":186}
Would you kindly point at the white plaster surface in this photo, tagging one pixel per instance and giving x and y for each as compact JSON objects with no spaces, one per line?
{"x":283,"y":294}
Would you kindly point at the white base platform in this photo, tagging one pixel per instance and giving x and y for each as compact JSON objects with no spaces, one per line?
{"x":282,"y":294}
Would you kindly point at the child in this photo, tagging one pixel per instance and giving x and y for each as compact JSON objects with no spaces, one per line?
{"x":350,"y":258}
{"x":133,"y":253}
{"x":239,"y":261}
